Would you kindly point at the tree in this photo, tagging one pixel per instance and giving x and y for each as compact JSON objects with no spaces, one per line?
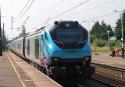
{"x":103,"y":33}
{"x":95,"y":30}
{"x":111,"y":33}
{"x":99,"y":31}
{"x":118,"y":30}
{"x":23,"y":33}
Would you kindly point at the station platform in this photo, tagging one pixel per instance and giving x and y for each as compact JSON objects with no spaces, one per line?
{"x":14,"y":72}
{"x":104,"y":58}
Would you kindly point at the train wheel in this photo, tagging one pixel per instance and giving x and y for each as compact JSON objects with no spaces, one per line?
{"x":86,"y":75}
{"x":46,"y":71}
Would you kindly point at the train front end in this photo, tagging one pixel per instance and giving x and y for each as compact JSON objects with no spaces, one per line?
{"x":69,"y":49}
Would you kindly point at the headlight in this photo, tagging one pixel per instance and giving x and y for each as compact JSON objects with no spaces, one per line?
{"x":87,"y":58}
{"x":55,"y":59}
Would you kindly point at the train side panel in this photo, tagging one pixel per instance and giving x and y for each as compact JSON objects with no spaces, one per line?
{"x":17,"y":46}
{"x":32,"y":48}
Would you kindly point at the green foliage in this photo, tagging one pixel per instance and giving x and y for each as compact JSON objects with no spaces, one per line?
{"x":111,"y":33}
{"x":95,"y":30}
{"x":91,"y":38}
{"x":112,"y":44}
{"x":99,"y":31}
{"x":100,"y":43}
{"x":100,"y":49}
{"x":118,"y":30}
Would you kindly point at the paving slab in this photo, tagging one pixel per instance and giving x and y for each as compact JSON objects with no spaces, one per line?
{"x":15,"y":72}
{"x":104,"y":58}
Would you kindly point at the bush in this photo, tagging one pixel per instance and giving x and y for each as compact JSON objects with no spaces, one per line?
{"x":100,"y":43}
{"x":113,"y":44}
{"x":100,"y":49}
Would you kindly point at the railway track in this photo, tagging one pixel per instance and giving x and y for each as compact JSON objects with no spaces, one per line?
{"x":97,"y":82}
{"x":105,"y":76}
{"x":110,"y":75}
{"x":106,"y":82}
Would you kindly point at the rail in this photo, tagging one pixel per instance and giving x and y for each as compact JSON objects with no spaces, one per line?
{"x":109,"y":72}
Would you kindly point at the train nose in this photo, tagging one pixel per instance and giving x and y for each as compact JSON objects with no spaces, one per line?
{"x":67,"y":54}
{"x":86,"y":60}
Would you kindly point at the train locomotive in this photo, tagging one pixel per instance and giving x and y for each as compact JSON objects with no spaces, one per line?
{"x":59,"y":49}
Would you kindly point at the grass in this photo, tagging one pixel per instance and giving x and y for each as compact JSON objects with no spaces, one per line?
{"x":100,"y":49}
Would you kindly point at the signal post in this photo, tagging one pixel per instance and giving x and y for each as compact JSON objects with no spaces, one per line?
{"x":0,"y":35}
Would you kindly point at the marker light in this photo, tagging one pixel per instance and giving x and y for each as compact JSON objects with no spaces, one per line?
{"x":86,"y":58}
{"x":50,"y":46}
{"x":55,"y":59}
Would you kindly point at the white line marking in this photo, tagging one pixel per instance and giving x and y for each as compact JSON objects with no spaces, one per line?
{"x":47,"y":76}
{"x":16,"y":71}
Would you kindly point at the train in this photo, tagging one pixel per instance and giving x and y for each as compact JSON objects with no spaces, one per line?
{"x":60,"y":49}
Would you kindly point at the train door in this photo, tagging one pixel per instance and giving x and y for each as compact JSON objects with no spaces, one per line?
{"x":37,"y":48}
{"x":28,"y":47}
{"x":41,"y":46}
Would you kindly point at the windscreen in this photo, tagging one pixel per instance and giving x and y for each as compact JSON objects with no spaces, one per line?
{"x":69,"y":35}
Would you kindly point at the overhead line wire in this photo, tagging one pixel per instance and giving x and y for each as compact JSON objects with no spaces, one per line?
{"x":44,"y":11}
{"x":70,"y":9}
{"x":27,"y":8}
{"x":98,"y":6}
{"x":53,"y":6}
{"x":23,"y":23}
{"x":102,"y":16}
{"x":23,"y":8}
{"x":103,"y":4}
{"x":24,"y":14}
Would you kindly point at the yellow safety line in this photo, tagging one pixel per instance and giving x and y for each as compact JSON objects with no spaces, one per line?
{"x":16,"y":71}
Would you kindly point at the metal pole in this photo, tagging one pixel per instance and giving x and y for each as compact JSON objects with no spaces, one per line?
{"x":3,"y":39}
{"x":108,"y":35}
{"x":122,"y":36}
{"x":108,"y":40}
{"x":11,"y":23}
{"x":0,"y":35}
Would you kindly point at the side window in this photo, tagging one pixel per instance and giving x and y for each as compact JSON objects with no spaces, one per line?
{"x":42,"y":37}
{"x":28,"y":47}
{"x":46,"y":36}
{"x":37,"y":48}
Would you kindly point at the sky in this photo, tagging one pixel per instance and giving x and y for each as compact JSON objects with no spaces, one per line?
{"x":38,"y":13}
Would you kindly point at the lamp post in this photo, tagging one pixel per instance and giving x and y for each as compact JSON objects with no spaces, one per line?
{"x":108,"y":31}
{"x":121,"y":17}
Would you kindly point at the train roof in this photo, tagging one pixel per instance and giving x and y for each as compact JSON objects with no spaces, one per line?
{"x":35,"y":32}
{"x":18,"y":38}
{"x":61,"y":24}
